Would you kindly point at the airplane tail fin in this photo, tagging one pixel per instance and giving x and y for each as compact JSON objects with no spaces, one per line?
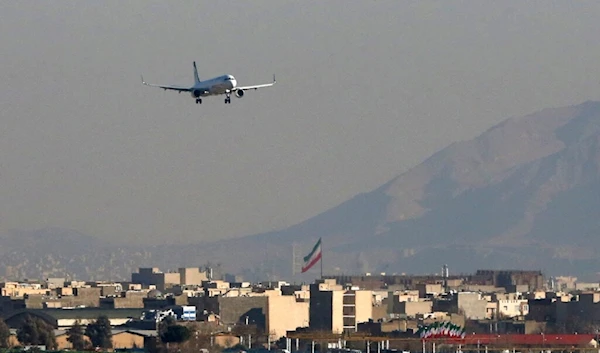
{"x":196,"y":78}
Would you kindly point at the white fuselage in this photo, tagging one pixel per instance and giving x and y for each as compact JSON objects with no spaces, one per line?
{"x":224,"y":84}
{"x":215,"y":86}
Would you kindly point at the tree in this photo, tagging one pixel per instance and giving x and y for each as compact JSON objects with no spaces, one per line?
{"x":170,"y":332}
{"x":175,"y":334}
{"x":28,"y":332}
{"x":100,"y":332}
{"x":164,"y":324}
{"x":75,"y":336}
{"x":35,"y":331}
{"x":4,"y":334}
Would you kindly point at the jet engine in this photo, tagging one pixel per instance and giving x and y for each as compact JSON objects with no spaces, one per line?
{"x":239,"y":93}
{"x":196,"y":93}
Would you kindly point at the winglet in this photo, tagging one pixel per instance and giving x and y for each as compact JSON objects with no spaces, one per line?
{"x":274,"y":81}
{"x":143,"y":82}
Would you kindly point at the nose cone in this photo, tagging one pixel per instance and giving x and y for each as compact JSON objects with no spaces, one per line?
{"x":233,"y":82}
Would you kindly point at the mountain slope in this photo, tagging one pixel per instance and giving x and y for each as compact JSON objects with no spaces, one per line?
{"x":523,"y":194}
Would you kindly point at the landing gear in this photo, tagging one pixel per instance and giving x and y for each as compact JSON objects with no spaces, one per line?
{"x":198,"y":100}
{"x":228,"y":99}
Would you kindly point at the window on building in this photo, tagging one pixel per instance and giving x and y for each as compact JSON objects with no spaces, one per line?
{"x":349,"y":310}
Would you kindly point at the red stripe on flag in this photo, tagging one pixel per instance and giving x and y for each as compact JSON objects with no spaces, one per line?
{"x":312,"y":263}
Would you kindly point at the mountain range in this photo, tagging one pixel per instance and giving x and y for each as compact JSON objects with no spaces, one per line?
{"x":524,"y":194}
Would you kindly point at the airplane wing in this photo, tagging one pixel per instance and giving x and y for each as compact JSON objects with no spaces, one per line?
{"x":166,"y":87}
{"x":245,"y":88}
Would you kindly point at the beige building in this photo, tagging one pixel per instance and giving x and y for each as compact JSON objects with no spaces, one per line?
{"x":583,"y":286}
{"x":192,"y":276}
{"x":285,"y":313}
{"x":121,"y":339}
{"x":64,"y":291}
{"x":393,"y":298}
{"x":19,"y":290}
{"x":512,"y":307}
{"x":128,"y":299}
{"x":76,"y":284}
{"x":407,"y":296}
{"x":338,"y":310}
{"x":425,"y":289}
{"x":483,"y":288}
{"x":325,"y":284}
{"x":303,"y":293}
{"x":454,"y":282}
{"x":79,"y":297}
{"x":225,"y":340}
{"x":269,"y":310}
{"x":218,"y":287}
{"x":472,"y":305}
{"x":85,"y":296}
{"x":238,"y":310}
{"x":491,"y":310}
{"x":565,"y":282}
{"x":55,"y":282}
{"x":230,"y":292}
{"x":62,"y":341}
{"x":128,"y":339}
{"x":537,"y":295}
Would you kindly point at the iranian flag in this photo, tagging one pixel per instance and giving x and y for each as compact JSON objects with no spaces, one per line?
{"x":441,"y":329}
{"x":311,"y":259}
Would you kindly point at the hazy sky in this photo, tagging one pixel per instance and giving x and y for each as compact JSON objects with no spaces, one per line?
{"x":366,"y":89}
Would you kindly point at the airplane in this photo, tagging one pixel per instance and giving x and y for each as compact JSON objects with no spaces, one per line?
{"x":225,"y":84}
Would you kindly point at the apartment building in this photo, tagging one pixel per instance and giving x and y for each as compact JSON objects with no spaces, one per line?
{"x":338,"y":310}
{"x":20,"y":290}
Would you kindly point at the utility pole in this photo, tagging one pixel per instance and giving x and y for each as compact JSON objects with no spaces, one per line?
{"x":295,"y":263}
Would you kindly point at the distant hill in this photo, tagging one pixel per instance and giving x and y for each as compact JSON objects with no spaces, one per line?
{"x":523,"y":194}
